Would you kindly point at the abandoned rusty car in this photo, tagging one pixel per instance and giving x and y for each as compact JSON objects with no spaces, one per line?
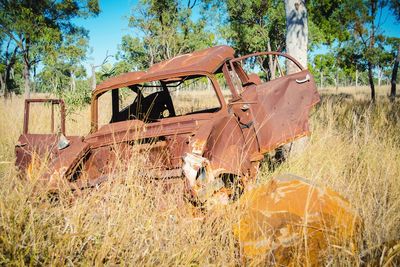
{"x":205,"y":146}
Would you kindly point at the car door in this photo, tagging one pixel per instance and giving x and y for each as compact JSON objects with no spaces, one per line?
{"x":279,"y":108}
{"x":30,"y":144}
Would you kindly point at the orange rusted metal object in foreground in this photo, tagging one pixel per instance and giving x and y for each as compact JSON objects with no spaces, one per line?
{"x":289,"y":221}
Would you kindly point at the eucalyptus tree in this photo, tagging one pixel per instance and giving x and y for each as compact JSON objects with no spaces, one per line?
{"x":395,"y":7}
{"x":8,"y":60}
{"x":365,"y":33}
{"x":162,"y":29}
{"x":296,"y":32}
{"x":38,"y":27}
{"x":393,"y":80}
{"x":253,"y":26}
{"x":63,"y":65}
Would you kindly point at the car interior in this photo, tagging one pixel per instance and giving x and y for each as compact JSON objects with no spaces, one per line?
{"x":157,"y":100}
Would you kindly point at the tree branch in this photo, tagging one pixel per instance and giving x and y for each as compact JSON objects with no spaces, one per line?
{"x":9,"y":33}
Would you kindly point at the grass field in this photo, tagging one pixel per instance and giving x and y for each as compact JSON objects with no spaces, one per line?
{"x":354,"y":149}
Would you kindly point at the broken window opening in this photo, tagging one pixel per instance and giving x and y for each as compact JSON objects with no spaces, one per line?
{"x":152,"y":101}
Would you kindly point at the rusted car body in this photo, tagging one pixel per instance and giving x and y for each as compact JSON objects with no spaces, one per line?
{"x":206,"y":149}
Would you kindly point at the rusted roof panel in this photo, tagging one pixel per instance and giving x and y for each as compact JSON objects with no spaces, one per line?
{"x":206,"y":60}
{"x":120,"y":79}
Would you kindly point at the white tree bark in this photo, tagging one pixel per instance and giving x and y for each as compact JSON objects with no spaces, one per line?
{"x":322,"y":79}
{"x":73,"y":82}
{"x":26,"y":82}
{"x":296,"y":46}
{"x":356,"y":78}
{"x":380,"y":76}
{"x":93,"y":77}
{"x":297,"y":32}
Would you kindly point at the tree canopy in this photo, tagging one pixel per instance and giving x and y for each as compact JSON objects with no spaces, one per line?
{"x":41,"y":44}
{"x":40,"y":28}
{"x":162,"y":30}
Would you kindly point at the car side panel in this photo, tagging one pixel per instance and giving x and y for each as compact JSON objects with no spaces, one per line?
{"x":280,"y":108}
{"x":225,"y":147}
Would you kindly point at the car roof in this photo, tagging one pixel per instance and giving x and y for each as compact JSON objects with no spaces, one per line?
{"x":203,"y":61}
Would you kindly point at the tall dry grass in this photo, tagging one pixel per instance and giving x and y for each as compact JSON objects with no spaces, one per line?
{"x":354,"y":148}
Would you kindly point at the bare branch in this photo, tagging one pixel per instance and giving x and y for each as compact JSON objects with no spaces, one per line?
{"x":104,"y":61}
{"x":11,"y":35}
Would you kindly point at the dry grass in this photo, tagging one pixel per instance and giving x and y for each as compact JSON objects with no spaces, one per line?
{"x":354,"y":149}
{"x":356,"y":93}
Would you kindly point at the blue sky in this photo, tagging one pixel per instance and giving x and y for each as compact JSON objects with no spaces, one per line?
{"x":107,"y":29}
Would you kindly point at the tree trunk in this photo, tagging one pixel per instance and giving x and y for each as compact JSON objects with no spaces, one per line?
{"x":372,"y":45}
{"x":356,"y":78}
{"x":337,"y":81}
{"x":10,"y":60}
{"x":271,"y":62}
{"x":393,"y":81}
{"x":27,"y":68}
{"x":322,"y":79}
{"x":297,"y":33}
{"x":371,"y":81}
{"x":380,"y":75}
{"x":296,"y":46}
{"x":6,"y":81}
{"x":27,"y":80}
{"x":3,"y":86}
{"x":73,"y":83}
{"x":93,"y":77}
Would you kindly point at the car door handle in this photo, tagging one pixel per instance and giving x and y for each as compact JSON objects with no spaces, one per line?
{"x":306,"y":79}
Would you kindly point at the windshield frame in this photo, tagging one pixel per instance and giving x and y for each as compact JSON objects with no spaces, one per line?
{"x":94,"y":125}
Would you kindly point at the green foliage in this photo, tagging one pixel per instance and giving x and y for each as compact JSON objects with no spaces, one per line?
{"x":63,"y":66}
{"x":106,"y":71}
{"x":10,"y":66}
{"x":395,"y":7}
{"x":250,"y":25}
{"x":42,"y":30}
{"x":254,"y":25}
{"x":353,"y":31}
{"x":162,"y":30}
{"x":326,"y":65}
{"x":78,"y":99}
{"x":326,"y":21}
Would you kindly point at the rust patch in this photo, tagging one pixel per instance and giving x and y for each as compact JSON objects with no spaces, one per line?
{"x":288,"y":219}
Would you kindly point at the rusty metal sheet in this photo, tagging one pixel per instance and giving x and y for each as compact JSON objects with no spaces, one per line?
{"x":207,"y":61}
{"x":280,"y":109}
{"x":289,"y":220}
{"x":40,"y":145}
{"x":65,"y":161}
{"x":135,"y":130}
{"x":123,"y":79}
{"x":30,"y":144}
